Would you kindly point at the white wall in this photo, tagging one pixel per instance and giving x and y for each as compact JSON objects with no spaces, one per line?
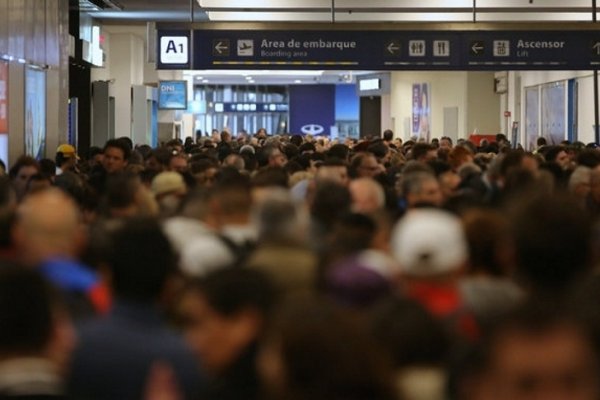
{"x":448,"y":89}
{"x":472,"y":92}
{"x":125,"y":49}
{"x":585,"y":111}
{"x":386,"y":113}
{"x":483,"y":105}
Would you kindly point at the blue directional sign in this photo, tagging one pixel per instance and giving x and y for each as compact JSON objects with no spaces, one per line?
{"x":531,"y":50}
{"x":388,"y":50}
{"x":216,"y":49}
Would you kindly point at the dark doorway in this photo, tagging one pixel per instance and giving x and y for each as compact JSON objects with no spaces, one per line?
{"x":370,"y":116}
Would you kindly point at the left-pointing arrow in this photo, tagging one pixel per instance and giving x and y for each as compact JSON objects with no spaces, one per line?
{"x":220,"y":47}
{"x":392,"y":48}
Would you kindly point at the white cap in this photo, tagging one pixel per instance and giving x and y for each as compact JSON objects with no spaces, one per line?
{"x":429,"y":242}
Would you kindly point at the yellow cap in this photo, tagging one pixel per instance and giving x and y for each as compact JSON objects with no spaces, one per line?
{"x":67,"y":150}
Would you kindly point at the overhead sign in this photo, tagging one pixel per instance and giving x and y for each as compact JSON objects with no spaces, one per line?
{"x":391,"y":50}
{"x":174,"y":50}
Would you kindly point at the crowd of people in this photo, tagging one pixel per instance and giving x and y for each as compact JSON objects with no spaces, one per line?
{"x":301,"y":268}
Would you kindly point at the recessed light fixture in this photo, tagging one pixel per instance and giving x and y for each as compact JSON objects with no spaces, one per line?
{"x":204,"y":80}
{"x":297,"y":81}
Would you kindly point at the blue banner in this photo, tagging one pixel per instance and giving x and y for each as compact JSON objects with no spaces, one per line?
{"x":312,"y":109}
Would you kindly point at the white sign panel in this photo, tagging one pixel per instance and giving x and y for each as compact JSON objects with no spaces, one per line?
{"x":174,"y":50}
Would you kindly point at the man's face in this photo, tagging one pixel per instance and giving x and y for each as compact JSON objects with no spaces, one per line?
{"x":369,"y":167}
{"x":553,"y":364}
{"x":114,"y":160}
{"x":449,"y":182}
{"x":277,"y":159}
{"x":562,"y":159}
{"x":445,"y":144}
{"x":338,"y":174}
{"x":178,"y":164}
{"x":431,"y":155}
{"x":430,"y":193}
{"x":213,"y":337}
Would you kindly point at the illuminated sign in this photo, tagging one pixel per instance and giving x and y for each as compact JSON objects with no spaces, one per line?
{"x":172,"y":95}
{"x":369,"y":84}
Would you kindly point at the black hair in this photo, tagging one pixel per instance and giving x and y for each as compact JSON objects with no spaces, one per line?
{"x":47,"y":167}
{"x":589,"y":158}
{"x":420,"y":150}
{"x":388,"y":135}
{"x":72,"y":184}
{"x":120,"y":190}
{"x":126,"y":141}
{"x":270,"y":176}
{"x":94,"y":151}
{"x":409,"y":333}
{"x":553,"y":151}
{"x":27,"y":304}
{"x":23,"y":161}
{"x":141,"y":259}
{"x":439,"y":167}
{"x":231,"y":290}
{"x":552,"y":241}
{"x":119,"y":144}
{"x":338,"y":150}
{"x":379,"y":149}
{"x":297,"y":140}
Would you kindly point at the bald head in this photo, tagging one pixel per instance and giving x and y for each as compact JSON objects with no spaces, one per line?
{"x":367,"y":195}
{"x":47,"y":226}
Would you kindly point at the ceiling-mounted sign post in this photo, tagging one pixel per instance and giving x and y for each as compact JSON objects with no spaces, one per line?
{"x":387,"y":50}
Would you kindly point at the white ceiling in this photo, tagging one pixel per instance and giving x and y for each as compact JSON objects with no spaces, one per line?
{"x":345,"y":10}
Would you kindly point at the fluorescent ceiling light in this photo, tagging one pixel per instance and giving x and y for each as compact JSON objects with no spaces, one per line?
{"x":533,"y":4}
{"x":533,"y":17}
{"x":358,"y":4}
{"x":403,"y":17}
{"x":264,"y":4}
{"x":270,"y":16}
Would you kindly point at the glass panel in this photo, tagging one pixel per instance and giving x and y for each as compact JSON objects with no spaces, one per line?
{"x":553,"y":112}
{"x":532,"y":112}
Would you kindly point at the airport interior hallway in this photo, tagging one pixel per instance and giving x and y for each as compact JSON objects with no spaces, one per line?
{"x":285,"y":200}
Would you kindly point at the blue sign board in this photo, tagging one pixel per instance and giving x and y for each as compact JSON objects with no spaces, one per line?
{"x":172,"y":95}
{"x":389,"y":50}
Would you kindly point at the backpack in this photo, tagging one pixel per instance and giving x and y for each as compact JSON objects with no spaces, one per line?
{"x":241,"y":252}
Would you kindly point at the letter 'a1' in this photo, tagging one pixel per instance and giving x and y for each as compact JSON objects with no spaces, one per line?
{"x":174,"y":50}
